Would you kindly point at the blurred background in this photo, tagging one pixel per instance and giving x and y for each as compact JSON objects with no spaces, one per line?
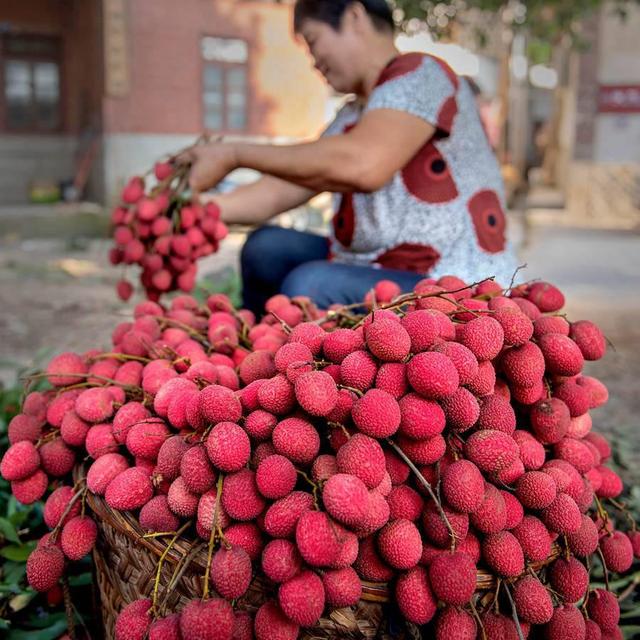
{"x":93,"y":92}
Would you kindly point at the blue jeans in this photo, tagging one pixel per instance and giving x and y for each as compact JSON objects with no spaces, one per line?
{"x":277,"y":260}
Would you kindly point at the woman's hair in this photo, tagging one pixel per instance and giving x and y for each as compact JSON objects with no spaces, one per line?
{"x":330,"y":12}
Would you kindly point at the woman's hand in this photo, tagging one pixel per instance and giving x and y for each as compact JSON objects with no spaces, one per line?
{"x":210,"y":163}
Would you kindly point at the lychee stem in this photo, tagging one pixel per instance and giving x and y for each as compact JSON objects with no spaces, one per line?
{"x":212,"y":538}
{"x":621,"y":506}
{"x":56,"y":530}
{"x":68,"y":608}
{"x":631,"y":588}
{"x":314,"y":487}
{"x":514,"y":613}
{"x":119,"y":356}
{"x":428,"y":487}
{"x":181,"y":567}
{"x":604,"y":568}
{"x":156,"y":582}
{"x":476,"y":615}
{"x":358,"y":392}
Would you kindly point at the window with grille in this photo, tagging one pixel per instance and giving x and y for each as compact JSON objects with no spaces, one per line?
{"x":224,"y":84}
{"x":30,"y":69}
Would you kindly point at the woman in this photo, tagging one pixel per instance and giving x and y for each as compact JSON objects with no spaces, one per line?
{"x":418,"y":188}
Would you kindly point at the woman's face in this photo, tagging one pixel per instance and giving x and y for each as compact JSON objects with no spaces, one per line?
{"x":335,"y":53}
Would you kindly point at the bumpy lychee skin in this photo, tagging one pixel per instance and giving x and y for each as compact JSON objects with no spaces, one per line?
{"x":376,"y":414}
{"x":133,"y":621}
{"x":94,"y":405}
{"x":257,"y":365}
{"x":167,"y":628}
{"x":358,"y":370}
{"x":219,"y":404}
{"x":281,"y":560}
{"x":423,"y":329}
{"x":453,"y":577}
{"x":302,"y":598}
{"x":414,"y":596}
{"x":461,"y":409}
{"x":433,"y":375}
{"x":65,"y":369}
{"x":78,"y":537}
{"x":484,"y":336}
{"x":562,"y":355}
{"x":30,"y":489}
{"x":272,"y":624}
{"x":228,"y":447}
{"x":282,"y":516}
{"x":598,"y":392}
{"x":569,"y":578}
{"x":317,"y":538}
{"x":211,"y":619}
{"x":523,"y":366}
{"x":491,"y":516}
{"x":316,"y":392}
{"x":420,"y":418}
{"x":57,"y":504}
{"x":126,"y":416}
{"x":277,"y":395}
{"x":514,"y":510}
{"x":363,"y":457}
{"x":129,"y":490}
{"x":534,"y":538}
{"x":464,"y":360}
{"x":455,"y":623}
{"x":584,"y":541}
{"x":491,"y":450}
{"x":503,"y":553}
{"x":617,"y":551}
{"x":576,"y":452}
{"x":536,"y":490}
{"x":25,"y":427}
{"x":342,"y":587}
{"x":276,"y":477}
{"x":231,"y":572}
{"x":145,"y":439}
{"x":497,"y":413}
{"x":517,"y":327}
{"x":400,"y":544}
{"x":589,"y":339}
{"x":19,"y":461}
{"x":532,"y":600}
{"x":240,"y":496}
{"x":387,"y":339}
{"x":604,"y":609}
{"x":156,"y":516}
{"x":45,"y":566}
{"x":463,"y":486}
{"x":550,"y":420}
{"x":392,"y":378}
{"x":340,"y":343}
{"x":545,"y":296}
{"x":296,"y":439}
{"x":611,"y":484}
{"x":346,"y":498}
{"x":562,"y":515}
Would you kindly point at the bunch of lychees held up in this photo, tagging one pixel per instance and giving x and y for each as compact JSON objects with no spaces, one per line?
{"x":159,"y":227}
{"x":441,"y":437}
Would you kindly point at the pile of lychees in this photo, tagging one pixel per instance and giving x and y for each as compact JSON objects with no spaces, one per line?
{"x":440,"y":436}
{"x":159,"y":228}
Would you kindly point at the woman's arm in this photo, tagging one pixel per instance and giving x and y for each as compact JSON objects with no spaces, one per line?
{"x":259,"y":201}
{"x":363,"y":159}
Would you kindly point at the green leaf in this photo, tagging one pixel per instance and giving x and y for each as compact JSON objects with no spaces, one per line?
{"x":17,"y":553}
{"x":81,"y":580}
{"x":9,"y":531}
{"x":49,"y":633}
{"x":13,"y":572}
{"x":21,"y":600}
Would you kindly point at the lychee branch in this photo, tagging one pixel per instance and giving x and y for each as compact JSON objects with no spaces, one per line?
{"x":514,"y":613}
{"x":428,"y":487}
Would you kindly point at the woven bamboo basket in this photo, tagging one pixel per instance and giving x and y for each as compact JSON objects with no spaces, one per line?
{"x":126,"y":565}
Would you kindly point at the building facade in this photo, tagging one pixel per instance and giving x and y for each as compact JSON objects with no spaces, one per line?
{"x":95,"y":90}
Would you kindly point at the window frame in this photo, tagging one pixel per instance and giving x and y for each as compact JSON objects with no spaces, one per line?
{"x":56,"y":58}
{"x":225,"y":67}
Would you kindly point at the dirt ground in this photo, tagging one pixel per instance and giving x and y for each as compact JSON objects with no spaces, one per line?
{"x":59,"y":294}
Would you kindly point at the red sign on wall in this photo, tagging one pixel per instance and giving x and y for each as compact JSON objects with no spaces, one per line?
{"x":619,"y":98}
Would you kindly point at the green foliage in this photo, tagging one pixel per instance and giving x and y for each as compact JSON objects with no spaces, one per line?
{"x":25,"y":614}
{"x":547,"y":21}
